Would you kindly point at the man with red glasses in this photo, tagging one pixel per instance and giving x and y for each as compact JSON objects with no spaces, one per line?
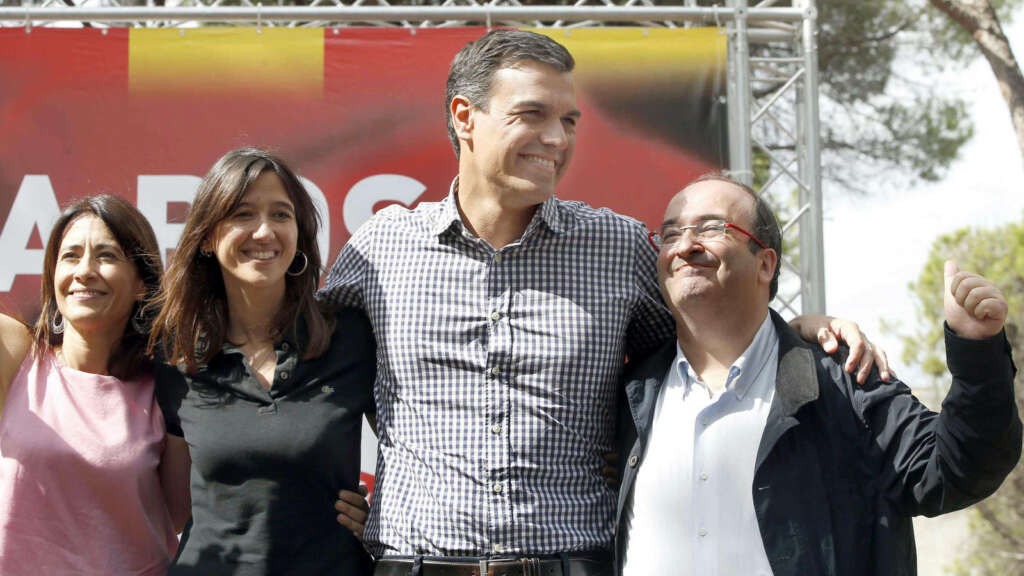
{"x":502,"y":316}
{"x":750,"y":452}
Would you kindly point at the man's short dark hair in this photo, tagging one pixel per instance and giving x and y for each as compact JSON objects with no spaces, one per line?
{"x":766,"y":225}
{"x":472,"y":70}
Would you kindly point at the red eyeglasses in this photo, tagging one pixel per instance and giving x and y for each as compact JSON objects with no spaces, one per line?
{"x":703,"y":232}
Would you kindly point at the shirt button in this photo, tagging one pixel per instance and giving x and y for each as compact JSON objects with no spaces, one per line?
{"x":497,"y":488}
{"x":496,"y":429}
{"x":704,"y":476}
{"x":285,"y":375}
{"x":495,"y":316}
{"x":704,"y":422}
{"x":498,"y":548}
{"x":703,"y":532}
{"x":633,"y":461}
{"x":284,"y":346}
{"x":497,"y":258}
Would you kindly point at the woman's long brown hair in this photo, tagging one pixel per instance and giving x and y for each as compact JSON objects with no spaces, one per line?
{"x":138,"y":242}
{"x":192,"y":325}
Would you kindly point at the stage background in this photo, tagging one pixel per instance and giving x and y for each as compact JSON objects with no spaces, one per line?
{"x":359,"y":113}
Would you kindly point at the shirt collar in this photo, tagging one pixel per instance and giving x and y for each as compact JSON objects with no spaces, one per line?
{"x":448,"y":213}
{"x":745,"y":370}
{"x":551,"y":215}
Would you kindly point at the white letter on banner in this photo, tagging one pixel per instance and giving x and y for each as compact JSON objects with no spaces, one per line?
{"x":323,"y":239}
{"x":34,"y":206}
{"x":379,"y":188}
{"x":154,"y":193}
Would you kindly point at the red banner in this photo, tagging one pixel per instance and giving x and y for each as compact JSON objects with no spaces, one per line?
{"x":143,"y":113}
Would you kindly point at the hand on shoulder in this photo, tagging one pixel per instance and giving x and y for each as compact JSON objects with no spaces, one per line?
{"x":829,"y":331}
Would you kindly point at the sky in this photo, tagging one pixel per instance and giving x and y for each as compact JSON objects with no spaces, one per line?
{"x":875,"y":245}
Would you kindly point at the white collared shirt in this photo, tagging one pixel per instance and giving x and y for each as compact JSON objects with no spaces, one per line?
{"x":691,"y":510}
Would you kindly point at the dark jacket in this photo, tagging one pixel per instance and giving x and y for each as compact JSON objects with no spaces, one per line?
{"x":841,"y":468}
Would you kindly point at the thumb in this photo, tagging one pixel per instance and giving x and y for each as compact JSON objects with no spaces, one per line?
{"x":948,"y":271}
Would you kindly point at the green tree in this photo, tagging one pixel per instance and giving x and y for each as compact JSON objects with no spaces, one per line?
{"x":996,"y":545}
{"x":874,"y":116}
{"x":883,"y":107}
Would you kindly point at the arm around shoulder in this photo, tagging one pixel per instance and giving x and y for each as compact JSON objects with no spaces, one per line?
{"x":175,"y":461}
{"x":15,"y":343}
{"x":175,"y":466}
{"x":650,"y":323}
{"x":344,"y":283}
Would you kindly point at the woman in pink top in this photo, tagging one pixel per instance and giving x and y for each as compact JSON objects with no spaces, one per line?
{"x":89,"y":482}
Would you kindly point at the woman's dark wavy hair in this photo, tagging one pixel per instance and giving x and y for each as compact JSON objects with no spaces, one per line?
{"x":138,"y":242}
{"x":192,"y":325}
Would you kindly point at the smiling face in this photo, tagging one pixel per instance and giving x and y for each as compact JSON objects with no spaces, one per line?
{"x":522,"y":144}
{"x":255,"y":244}
{"x":721,"y":272}
{"x":95,"y":283}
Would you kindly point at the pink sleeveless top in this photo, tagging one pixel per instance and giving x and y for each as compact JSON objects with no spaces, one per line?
{"x":79,"y":489}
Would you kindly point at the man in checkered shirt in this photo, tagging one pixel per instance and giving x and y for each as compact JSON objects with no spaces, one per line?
{"x":502,"y":316}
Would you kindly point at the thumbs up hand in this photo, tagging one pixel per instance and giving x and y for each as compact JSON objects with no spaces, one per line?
{"x":974,"y":307}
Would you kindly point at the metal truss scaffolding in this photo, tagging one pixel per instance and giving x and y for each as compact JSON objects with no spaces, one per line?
{"x":772,"y":85}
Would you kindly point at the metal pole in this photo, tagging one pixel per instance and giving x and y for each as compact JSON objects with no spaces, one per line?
{"x":812,"y":257}
{"x":741,"y":166}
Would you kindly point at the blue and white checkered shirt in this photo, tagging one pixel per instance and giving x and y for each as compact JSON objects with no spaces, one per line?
{"x":497,"y":373}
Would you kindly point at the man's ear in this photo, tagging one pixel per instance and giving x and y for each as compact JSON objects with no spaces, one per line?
{"x":462,"y":117}
{"x":767,"y":261}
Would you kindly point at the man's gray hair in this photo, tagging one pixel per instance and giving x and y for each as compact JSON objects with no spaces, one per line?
{"x":472,"y":70}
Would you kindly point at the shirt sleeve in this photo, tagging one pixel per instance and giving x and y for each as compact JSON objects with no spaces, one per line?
{"x":651,"y":323}
{"x":941,"y":462}
{"x":344,"y":284}
{"x":171,"y":389}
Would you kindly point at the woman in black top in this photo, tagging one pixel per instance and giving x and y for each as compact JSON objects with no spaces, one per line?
{"x":268,"y":391}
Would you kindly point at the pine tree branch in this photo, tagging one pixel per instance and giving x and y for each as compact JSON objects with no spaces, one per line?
{"x":979,"y":19}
